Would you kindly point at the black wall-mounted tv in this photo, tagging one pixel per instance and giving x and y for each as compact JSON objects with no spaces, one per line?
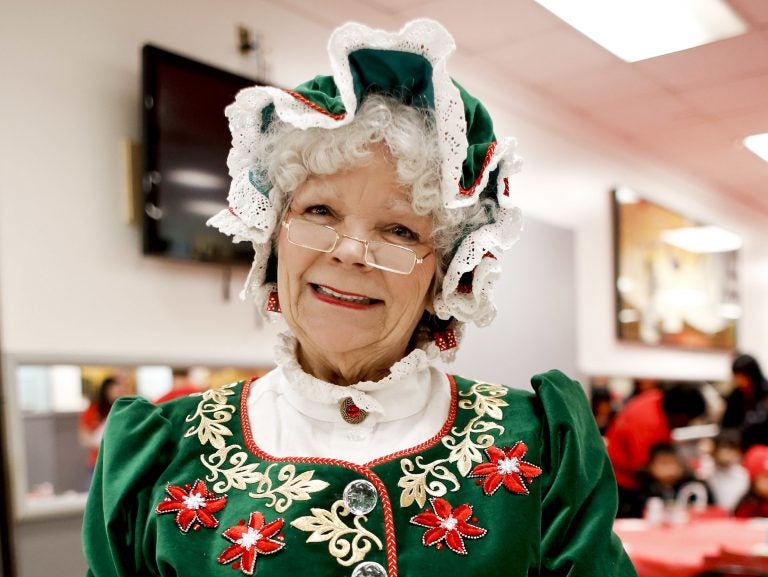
{"x":186,"y":140}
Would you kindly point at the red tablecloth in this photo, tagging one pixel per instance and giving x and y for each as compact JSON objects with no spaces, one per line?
{"x":684,"y":550}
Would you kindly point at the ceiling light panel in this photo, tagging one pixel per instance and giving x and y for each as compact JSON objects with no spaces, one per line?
{"x":638,"y":29}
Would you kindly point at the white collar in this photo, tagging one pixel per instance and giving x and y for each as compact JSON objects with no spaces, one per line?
{"x":403,"y":392}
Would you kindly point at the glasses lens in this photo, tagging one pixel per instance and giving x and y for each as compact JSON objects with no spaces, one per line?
{"x":391,"y":257}
{"x":311,"y":235}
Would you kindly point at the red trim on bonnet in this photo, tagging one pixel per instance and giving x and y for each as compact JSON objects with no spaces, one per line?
{"x":488,"y":155}
{"x":316,"y":107}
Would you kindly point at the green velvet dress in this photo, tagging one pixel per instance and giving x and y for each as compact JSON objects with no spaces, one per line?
{"x":515,"y":484}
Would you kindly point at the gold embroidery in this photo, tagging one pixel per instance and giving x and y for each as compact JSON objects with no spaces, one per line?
{"x":466,"y":452}
{"x":213,"y":411}
{"x":415,"y":486}
{"x":238,"y":476}
{"x":228,"y":465}
{"x":487,"y":402}
{"x":294,"y":488}
{"x":328,"y":526}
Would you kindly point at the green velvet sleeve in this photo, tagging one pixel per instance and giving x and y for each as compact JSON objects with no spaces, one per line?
{"x":579,"y":500}
{"x":135,"y":450}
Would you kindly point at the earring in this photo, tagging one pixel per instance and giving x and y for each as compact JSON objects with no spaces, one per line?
{"x":445,"y":340}
{"x":273,"y":303}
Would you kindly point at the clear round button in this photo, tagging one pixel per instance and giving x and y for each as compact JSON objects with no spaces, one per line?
{"x":360,"y":497}
{"x":369,"y":569}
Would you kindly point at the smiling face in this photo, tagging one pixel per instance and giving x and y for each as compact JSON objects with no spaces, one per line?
{"x":354,"y":321}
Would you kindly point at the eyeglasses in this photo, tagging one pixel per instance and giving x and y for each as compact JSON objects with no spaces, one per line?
{"x":382,"y":255}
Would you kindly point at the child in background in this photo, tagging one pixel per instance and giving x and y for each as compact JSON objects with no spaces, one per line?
{"x":729,"y":480}
{"x":755,"y":502}
{"x":665,"y":475}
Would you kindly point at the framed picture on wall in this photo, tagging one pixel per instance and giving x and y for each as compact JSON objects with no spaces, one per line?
{"x":675,"y":278}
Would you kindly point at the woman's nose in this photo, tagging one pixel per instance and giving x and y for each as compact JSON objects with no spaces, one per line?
{"x":350,"y":250}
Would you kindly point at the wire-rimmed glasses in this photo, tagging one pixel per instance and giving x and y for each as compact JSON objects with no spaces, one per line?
{"x":323,"y":238}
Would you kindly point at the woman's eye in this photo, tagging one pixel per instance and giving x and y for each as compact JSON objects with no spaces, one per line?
{"x":318,"y":210}
{"x":403,"y":233}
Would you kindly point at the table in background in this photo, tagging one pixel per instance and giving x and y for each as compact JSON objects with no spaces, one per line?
{"x":685,"y":550}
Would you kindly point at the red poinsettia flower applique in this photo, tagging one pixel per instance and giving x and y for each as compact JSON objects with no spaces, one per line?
{"x":250,"y":540}
{"x":445,"y":524}
{"x":194,"y":505}
{"x":508,"y":468}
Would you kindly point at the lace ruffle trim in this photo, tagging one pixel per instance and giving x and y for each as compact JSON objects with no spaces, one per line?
{"x":477,"y":256}
{"x":321,"y":391}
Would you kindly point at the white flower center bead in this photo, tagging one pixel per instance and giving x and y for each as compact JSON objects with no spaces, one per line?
{"x":507,"y":465}
{"x":449,"y":523}
{"x":194,"y":501}
{"x":249,"y":539}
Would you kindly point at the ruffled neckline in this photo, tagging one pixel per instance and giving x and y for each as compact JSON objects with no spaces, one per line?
{"x":402,"y":393}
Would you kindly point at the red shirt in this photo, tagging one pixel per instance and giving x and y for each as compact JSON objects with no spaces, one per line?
{"x":752,"y":506}
{"x":640,"y":425}
{"x":178,"y":392}
{"x":90,"y":421}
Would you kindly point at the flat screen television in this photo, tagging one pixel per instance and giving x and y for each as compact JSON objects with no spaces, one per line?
{"x":186,"y":140}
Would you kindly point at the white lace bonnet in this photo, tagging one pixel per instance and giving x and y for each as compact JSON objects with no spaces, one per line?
{"x":412,"y":64}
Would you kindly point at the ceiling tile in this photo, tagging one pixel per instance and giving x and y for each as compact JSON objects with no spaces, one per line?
{"x":392,"y":6}
{"x":754,"y":11}
{"x":711,"y":64}
{"x":616,"y":82}
{"x":333,"y":13}
{"x":556,"y":54}
{"x":639,"y":117}
{"x":724,"y":100}
{"x":736,"y":127}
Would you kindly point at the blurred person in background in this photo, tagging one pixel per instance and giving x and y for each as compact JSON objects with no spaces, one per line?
{"x":603,"y":407}
{"x":182,"y":385}
{"x":641,"y":385}
{"x":647,"y":420}
{"x":93,"y":420}
{"x":664,"y":476}
{"x":747,"y":404}
{"x":726,"y":476}
{"x":378,"y":202}
{"x":755,"y":502}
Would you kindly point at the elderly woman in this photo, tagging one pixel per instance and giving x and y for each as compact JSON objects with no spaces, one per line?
{"x":378,"y":202}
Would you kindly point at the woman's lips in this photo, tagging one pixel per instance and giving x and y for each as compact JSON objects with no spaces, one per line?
{"x":343,"y":298}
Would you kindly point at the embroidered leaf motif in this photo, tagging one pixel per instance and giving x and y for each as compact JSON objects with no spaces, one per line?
{"x":488,"y":400}
{"x":294,"y":487}
{"x":328,"y":526}
{"x":213,"y":412}
{"x":414,"y":483}
{"x":228,"y":465}
{"x":467,"y":451}
{"x":487,"y":403}
{"x":238,"y":476}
